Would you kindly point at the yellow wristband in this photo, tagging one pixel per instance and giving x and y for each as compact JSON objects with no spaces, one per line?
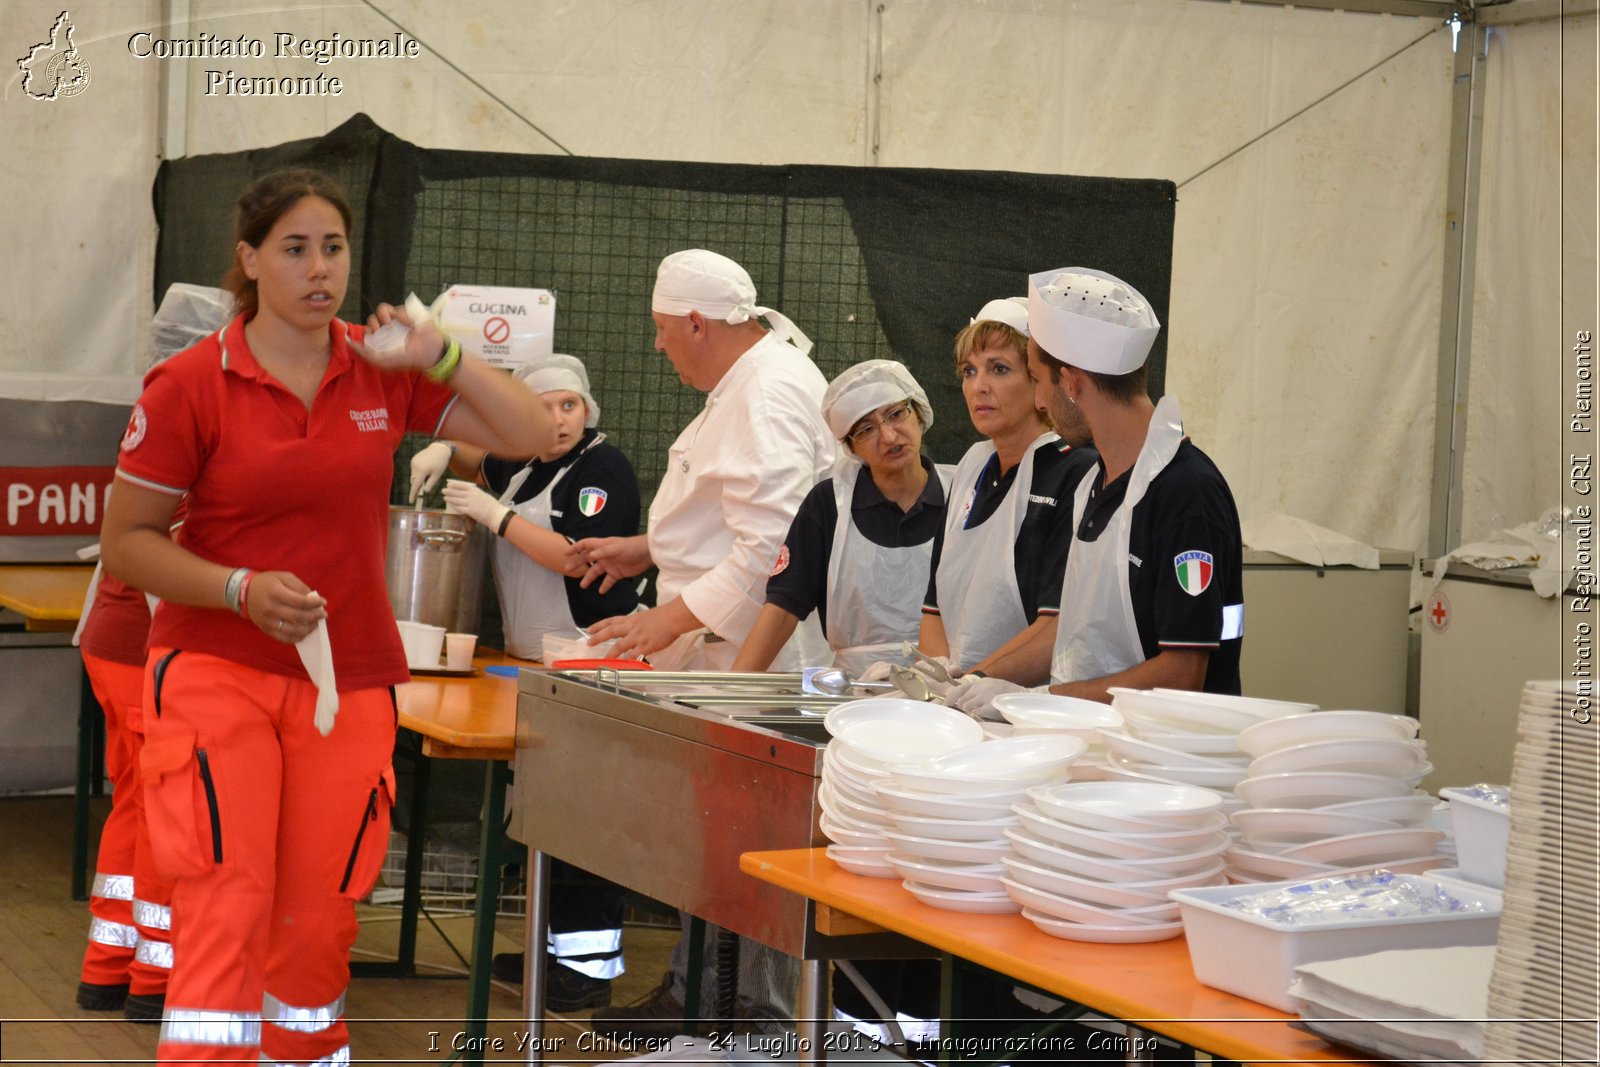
{"x":441,"y":371}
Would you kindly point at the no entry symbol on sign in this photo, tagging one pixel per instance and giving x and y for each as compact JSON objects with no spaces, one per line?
{"x":496,"y":331}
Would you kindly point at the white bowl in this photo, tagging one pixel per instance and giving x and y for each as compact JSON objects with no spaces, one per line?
{"x":1107,"y":894}
{"x":936,"y":848}
{"x":1179,"y":712}
{"x":1209,"y":777}
{"x":1405,"y":811}
{"x":1135,"y":806}
{"x":852,"y":789}
{"x":1357,"y":850}
{"x":1185,"y":741}
{"x":835,"y":804}
{"x":947,"y":805}
{"x":1384,"y":756}
{"x":1022,"y":759}
{"x":1117,"y":844}
{"x":1047,"y":709}
{"x":1295,"y":826}
{"x":1315,"y":789}
{"x":892,"y":731}
{"x":918,"y":780}
{"x":1083,"y":864}
{"x":974,"y":878}
{"x":842,"y":759}
{"x":841,"y":835}
{"x":954,"y":829}
{"x":1260,"y":707}
{"x":867,"y":862}
{"x":1057,"y":906}
{"x":1133,"y":748}
{"x":1272,"y":866}
{"x":1274,"y":734}
{"x":1122,"y":935}
{"x":960,"y":900}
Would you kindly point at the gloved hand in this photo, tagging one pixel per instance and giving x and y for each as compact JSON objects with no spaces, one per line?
{"x":474,"y":503}
{"x":975,"y":696}
{"x":876,"y":672}
{"x":428,"y":466}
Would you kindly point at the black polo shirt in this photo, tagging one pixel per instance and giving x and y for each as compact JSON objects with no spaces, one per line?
{"x":598,"y":497}
{"x":1185,"y":561}
{"x":800,"y":583}
{"x":1039,"y":555}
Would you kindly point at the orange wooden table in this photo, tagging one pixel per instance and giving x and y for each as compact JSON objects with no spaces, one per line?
{"x":1151,"y":986}
{"x":461,"y":716}
{"x":47,"y":596}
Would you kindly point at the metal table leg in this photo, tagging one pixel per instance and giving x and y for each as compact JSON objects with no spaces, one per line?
{"x":488,"y":902}
{"x":811,"y":1011}
{"x":533,"y":953}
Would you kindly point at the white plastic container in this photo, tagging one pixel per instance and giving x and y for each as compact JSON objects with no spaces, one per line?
{"x":1255,"y":958}
{"x":1482,"y":829}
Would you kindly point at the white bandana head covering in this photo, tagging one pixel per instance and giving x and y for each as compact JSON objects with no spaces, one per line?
{"x":1091,"y":320}
{"x":546,"y":374}
{"x":717,"y":287}
{"x":1011,"y":310}
{"x":864,"y":388}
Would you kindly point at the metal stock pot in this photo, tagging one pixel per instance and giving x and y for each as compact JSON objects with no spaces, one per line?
{"x":435,"y":568}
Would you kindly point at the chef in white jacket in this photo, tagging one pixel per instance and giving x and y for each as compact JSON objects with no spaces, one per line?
{"x":735,"y":476}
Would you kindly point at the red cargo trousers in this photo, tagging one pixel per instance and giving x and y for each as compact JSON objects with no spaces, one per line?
{"x":129,"y":914}
{"x":270,"y":833}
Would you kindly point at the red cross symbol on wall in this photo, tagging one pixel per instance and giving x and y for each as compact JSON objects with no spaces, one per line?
{"x":1438,"y":613}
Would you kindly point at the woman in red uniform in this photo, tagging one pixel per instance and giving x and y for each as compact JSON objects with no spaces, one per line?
{"x":269,"y":814}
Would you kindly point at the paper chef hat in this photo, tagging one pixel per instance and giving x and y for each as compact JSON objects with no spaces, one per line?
{"x":1091,"y":320}
{"x":717,"y":287}
{"x":1011,"y":310}
{"x":864,"y":388}
{"x":546,"y":374}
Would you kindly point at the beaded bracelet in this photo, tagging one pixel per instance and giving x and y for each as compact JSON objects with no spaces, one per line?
{"x":441,"y":371}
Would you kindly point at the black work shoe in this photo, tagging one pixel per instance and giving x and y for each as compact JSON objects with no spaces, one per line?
{"x":92,"y":997}
{"x":566,"y":990}
{"x":144,"y":1007}
{"x":656,"y":1016}
{"x":506,"y":967}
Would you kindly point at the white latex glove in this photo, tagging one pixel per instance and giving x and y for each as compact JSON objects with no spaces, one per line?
{"x":975,"y":696}
{"x":474,"y":503}
{"x":428,"y":466}
{"x":877,"y":672}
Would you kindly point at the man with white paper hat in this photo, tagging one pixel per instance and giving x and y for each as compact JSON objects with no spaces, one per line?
{"x":734,"y":479}
{"x":1153,"y":594}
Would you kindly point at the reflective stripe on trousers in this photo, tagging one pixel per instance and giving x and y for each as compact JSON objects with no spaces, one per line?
{"x":592,"y":953}
{"x":338,"y":1059}
{"x":118,"y":935}
{"x":154,"y":953}
{"x":301,"y":1020}
{"x":236,"y":1029}
{"x":152,"y":916}
{"x":113,"y":886}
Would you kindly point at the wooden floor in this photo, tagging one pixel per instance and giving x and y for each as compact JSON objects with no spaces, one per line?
{"x":392,"y":1021}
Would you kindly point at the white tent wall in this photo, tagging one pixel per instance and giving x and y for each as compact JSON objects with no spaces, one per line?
{"x":1515,"y":463}
{"x":1306,"y":269}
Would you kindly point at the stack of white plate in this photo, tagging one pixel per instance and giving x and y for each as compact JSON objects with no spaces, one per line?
{"x":1094,"y":861}
{"x":949,"y":816}
{"x":1546,"y":977}
{"x":1334,"y":791}
{"x":1045,"y":713}
{"x":868,"y":737}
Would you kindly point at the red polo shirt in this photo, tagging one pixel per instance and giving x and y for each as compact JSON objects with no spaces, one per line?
{"x":275,"y":487}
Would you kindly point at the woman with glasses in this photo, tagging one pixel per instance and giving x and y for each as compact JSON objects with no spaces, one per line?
{"x":1011,"y":499}
{"x":859,"y":548}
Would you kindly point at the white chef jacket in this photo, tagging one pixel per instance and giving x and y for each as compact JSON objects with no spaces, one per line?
{"x":735,"y":478}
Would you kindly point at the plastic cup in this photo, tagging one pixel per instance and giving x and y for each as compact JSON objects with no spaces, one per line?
{"x":429,"y":644}
{"x":458,"y":649}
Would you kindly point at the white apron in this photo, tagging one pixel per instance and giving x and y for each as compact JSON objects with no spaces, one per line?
{"x":874,"y":592}
{"x":533,"y":598}
{"x":1097,"y":633}
{"x":979,"y":602}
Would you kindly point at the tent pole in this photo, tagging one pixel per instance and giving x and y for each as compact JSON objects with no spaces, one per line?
{"x":174,"y":98}
{"x":1455,"y":309}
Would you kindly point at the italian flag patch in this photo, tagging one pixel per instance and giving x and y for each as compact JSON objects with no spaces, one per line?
{"x":1194,"y":570}
{"x":591,"y":501}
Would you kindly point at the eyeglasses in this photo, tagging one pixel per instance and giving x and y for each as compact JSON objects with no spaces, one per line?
{"x":867,"y":430}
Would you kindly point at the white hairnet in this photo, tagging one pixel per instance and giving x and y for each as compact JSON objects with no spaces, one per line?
{"x":1011,"y":310}
{"x":717,"y":287}
{"x":546,"y":374}
{"x":187,"y":314}
{"x":1091,"y":319}
{"x":864,"y":388}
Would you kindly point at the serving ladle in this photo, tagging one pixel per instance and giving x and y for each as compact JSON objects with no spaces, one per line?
{"x":832,"y":681}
